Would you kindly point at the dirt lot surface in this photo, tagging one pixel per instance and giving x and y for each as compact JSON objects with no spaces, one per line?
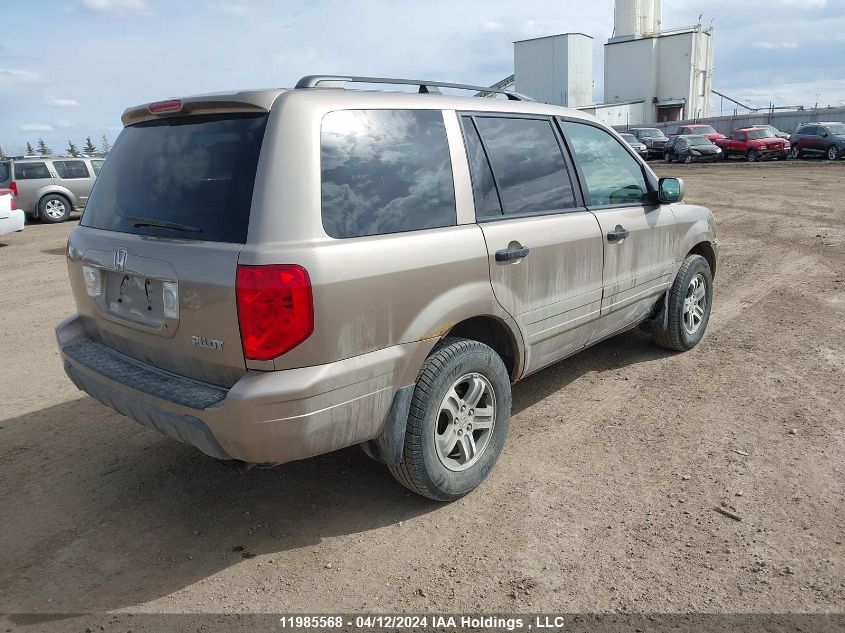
{"x":603,"y":499}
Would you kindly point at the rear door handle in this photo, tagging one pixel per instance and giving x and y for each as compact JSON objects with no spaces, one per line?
{"x":509,"y":254}
{"x":617,"y":235}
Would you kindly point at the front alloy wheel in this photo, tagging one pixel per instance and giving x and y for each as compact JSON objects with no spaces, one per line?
{"x":832,"y":152}
{"x":688,"y":304}
{"x":695,"y":304}
{"x":796,"y":151}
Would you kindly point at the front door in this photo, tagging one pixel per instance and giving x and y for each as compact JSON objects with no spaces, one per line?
{"x":544,"y":247}
{"x":638,"y":234}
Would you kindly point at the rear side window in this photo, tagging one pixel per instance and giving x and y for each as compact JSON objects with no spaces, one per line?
{"x":487,"y":204}
{"x":385,"y":171}
{"x":527,"y":163}
{"x":185,"y":177}
{"x":611,"y":174}
{"x":96,"y":165}
{"x":31,"y":171}
{"x":69,"y":169}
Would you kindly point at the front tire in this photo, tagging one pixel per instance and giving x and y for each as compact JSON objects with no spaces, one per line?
{"x":53,"y":209}
{"x":751,"y":156}
{"x":458,"y":421}
{"x":690,"y":298}
{"x":796,"y":151}
{"x":833,"y":153}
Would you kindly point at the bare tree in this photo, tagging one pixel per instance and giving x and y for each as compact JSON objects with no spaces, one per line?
{"x":106,"y":147}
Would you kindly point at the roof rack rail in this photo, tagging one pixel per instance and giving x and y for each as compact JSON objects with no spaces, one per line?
{"x":425,"y":87}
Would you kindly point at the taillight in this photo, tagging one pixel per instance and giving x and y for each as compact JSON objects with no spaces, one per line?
{"x":275,"y":309}
{"x":14,"y":187}
{"x":14,"y":206}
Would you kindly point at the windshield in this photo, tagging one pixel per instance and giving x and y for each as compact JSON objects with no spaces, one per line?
{"x":196,"y":172}
{"x":696,"y":139}
{"x":753,"y":135}
{"x":630,"y":138}
{"x":836,"y":128}
{"x":651,"y":133}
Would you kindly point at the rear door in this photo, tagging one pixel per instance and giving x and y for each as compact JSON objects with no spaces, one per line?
{"x":154,"y":261}
{"x":544,"y":247}
{"x":638,"y":235}
{"x":76,"y":177}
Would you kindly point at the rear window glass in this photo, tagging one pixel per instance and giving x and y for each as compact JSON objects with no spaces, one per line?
{"x":69,"y":169}
{"x":385,"y":171}
{"x":183,"y":177}
{"x":30,"y":171}
{"x":5,"y":172}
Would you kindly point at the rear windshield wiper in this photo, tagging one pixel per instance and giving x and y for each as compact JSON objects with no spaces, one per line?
{"x":161,"y":224}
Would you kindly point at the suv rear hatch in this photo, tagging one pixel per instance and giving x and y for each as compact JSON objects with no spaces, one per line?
{"x":154,"y":261}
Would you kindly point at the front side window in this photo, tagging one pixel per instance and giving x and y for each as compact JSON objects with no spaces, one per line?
{"x":385,"y":171}
{"x":70,"y":169}
{"x":527,"y":162}
{"x":612,"y":176}
{"x":31,"y":171}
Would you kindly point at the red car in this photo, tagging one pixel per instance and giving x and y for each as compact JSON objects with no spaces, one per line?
{"x":754,"y":144}
{"x":702,"y":130}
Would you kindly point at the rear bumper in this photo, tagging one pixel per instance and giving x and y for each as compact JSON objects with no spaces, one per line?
{"x":14,"y":222}
{"x":266,"y":417}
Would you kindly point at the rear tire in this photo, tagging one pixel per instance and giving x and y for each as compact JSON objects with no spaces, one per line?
{"x":445,"y":456}
{"x":53,"y":208}
{"x":690,"y":298}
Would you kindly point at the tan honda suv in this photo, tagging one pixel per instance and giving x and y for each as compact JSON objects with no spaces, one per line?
{"x":271,"y":275}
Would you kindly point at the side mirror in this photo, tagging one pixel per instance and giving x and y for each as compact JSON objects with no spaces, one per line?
{"x":670,"y":190}
{"x":824,"y":134}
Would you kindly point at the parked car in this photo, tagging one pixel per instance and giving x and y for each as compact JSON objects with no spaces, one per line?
{"x":653,"y":138}
{"x":699,"y":129}
{"x":635,"y":143}
{"x":50,"y":188}
{"x":691,"y":148}
{"x":754,"y":144}
{"x":271,"y":275}
{"x":772,"y":131}
{"x":11,"y":218}
{"x":826,"y":138}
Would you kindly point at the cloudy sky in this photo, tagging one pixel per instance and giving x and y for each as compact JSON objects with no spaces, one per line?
{"x":68,"y":68}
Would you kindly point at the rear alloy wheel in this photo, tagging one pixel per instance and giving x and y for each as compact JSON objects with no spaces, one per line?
{"x":688,"y":159}
{"x":667,"y":158}
{"x":53,"y":209}
{"x":458,"y":421}
{"x":796,"y":151}
{"x":751,"y":155}
{"x":832,"y":152}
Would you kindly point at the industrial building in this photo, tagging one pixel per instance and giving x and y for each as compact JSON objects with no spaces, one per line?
{"x":650,"y":73}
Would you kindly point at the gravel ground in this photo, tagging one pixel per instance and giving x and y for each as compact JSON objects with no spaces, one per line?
{"x":603,"y":500}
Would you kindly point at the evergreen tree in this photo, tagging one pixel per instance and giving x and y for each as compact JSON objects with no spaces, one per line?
{"x":106,"y":147}
{"x":43,"y":149}
{"x":2,"y":154}
{"x":89,"y":146}
{"x":72,"y":149}
{"x":29,"y":150}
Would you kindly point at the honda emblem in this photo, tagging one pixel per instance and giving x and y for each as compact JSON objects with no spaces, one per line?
{"x":120,"y":259}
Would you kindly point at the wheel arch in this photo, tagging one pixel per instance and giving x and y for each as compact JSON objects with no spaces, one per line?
{"x":706,"y":250}
{"x":496,"y":334}
{"x":56,"y":191}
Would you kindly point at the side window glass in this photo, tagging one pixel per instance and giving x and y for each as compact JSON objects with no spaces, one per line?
{"x":31,"y":171}
{"x":528,"y":164}
{"x":96,"y":165}
{"x":385,"y":171}
{"x":742,"y":136}
{"x":612,"y":176}
{"x":70,"y":169}
{"x":487,"y":203}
